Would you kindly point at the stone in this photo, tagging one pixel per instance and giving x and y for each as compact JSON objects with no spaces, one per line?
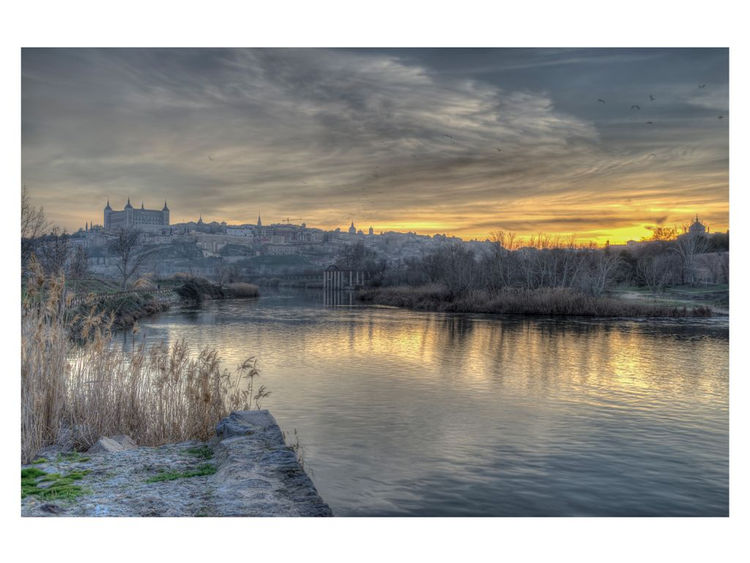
{"x":245,"y":423}
{"x":105,"y":445}
{"x":125,"y":441}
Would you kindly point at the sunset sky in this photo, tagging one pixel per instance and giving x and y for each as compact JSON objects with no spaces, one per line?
{"x":456,"y":141}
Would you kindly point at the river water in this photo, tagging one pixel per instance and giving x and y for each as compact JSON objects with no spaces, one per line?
{"x":404,"y":413}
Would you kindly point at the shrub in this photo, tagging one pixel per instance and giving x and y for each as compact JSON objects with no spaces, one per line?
{"x":241,"y":289}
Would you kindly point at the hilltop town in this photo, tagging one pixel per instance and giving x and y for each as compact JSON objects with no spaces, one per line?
{"x":213,"y":249}
{"x":133,"y":243}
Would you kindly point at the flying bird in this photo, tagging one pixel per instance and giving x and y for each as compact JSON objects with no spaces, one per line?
{"x":600,"y":100}
{"x":649,"y":123}
{"x":721,"y":117}
{"x":210,"y":157}
{"x":498,"y":149}
{"x":651,"y":97}
{"x":701,"y":85}
{"x":635,"y":107}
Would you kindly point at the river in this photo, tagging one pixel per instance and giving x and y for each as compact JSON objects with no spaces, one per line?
{"x":404,"y":413}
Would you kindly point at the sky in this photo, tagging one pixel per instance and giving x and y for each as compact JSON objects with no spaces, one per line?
{"x":605,"y":144}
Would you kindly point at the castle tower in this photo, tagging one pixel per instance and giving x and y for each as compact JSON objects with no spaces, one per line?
{"x":128,"y":215}
{"x":260,"y":224}
{"x":165,"y":214}
{"x":107,"y":215}
{"x":352,"y":229}
{"x":370,"y":231}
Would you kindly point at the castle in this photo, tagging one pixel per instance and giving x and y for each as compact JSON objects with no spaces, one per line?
{"x":142,"y":219}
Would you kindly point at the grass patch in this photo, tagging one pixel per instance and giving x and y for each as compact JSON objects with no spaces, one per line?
{"x":201,"y":452}
{"x":74,"y":457}
{"x":50,"y":486}
{"x":205,"y":469}
{"x":39,"y":460}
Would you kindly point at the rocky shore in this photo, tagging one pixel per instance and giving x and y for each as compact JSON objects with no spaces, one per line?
{"x":246,"y":470}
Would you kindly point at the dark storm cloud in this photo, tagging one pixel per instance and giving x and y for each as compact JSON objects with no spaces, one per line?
{"x":465,"y":139}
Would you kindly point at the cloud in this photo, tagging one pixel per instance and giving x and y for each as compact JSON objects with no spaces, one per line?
{"x":336,"y":135}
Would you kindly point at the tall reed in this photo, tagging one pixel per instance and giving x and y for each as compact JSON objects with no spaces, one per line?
{"x":90,"y":388}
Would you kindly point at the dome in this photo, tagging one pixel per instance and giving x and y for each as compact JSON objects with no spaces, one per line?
{"x":697,"y":228}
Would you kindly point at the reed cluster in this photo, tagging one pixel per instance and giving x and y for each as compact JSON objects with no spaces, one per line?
{"x":542,"y":301}
{"x":241,"y":289}
{"x":86,"y":387}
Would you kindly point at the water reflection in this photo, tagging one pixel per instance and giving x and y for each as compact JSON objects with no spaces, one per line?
{"x":417,"y":413}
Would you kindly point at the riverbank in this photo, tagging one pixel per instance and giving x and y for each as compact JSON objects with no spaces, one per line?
{"x":127,"y":307}
{"x":124,"y":308}
{"x":197,"y":290}
{"x":548,"y":302}
{"x":246,"y":470}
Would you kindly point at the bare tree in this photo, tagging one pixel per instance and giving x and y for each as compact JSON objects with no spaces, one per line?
{"x":52,"y":251}
{"x":687,"y":247}
{"x":33,"y":225}
{"x":604,"y":267}
{"x":125,"y":247}
{"x":78,"y":267}
{"x":662,"y":234}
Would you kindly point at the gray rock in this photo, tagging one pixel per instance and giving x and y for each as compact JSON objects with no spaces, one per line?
{"x":258,"y":474}
{"x":118,"y":443}
{"x":125,"y":441}
{"x":105,"y":445}
{"x":245,"y":423}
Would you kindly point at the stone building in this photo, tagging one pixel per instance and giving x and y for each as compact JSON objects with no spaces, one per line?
{"x":140,"y":219}
{"x":697,"y":228}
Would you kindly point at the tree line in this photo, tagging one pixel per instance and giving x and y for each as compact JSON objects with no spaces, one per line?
{"x":545,"y":261}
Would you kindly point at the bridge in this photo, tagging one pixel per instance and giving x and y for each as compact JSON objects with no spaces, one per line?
{"x":339,"y":278}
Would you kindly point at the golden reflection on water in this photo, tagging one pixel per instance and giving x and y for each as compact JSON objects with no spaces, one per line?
{"x":478,"y":352}
{"x":397,"y":407}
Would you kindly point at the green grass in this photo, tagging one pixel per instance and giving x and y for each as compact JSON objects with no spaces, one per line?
{"x":206,"y":469}
{"x":60,"y":486}
{"x":74,"y":457}
{"x":716,"y":295}
{"x":280,"y":260}
{"x":39,"y":460}
{"x":201,"y":452}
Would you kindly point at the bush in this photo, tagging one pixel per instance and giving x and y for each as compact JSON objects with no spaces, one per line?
{"x":241,"y":289}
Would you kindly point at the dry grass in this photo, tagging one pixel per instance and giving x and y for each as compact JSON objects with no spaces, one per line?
{"x":546,"y":301}
{"x":157,"y":395}
{"x":241,"y":289}
{"x":144,"y":284}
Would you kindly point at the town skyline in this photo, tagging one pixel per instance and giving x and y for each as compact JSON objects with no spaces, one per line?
{"x":606,"y":144}
{"x":353,"y":227}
